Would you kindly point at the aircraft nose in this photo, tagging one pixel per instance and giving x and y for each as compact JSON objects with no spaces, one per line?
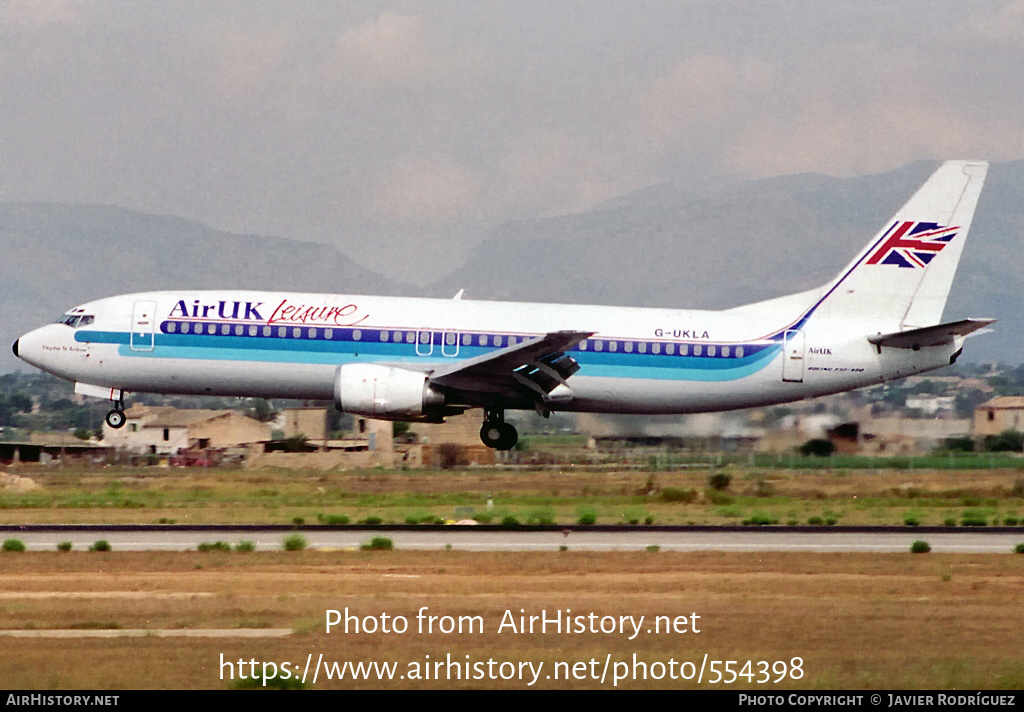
{"x":14,"y":348}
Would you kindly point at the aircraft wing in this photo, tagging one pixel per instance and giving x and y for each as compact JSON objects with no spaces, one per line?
{"x":930,"y":335}
{"x":538,"y":365}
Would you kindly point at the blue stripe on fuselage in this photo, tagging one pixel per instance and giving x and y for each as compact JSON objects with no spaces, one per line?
{"x":274,"y":349}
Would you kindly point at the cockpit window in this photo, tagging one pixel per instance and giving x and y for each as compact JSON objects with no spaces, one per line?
{"x":76,"y":320}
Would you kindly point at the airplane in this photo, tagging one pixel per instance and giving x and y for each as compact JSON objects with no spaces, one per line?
{"x":418,"y":359}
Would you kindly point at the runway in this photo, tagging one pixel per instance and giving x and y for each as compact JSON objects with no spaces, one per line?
{"x":473,"y":539}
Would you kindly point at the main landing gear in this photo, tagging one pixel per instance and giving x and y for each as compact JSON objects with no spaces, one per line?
{"x":496,"y":433}
{"x":116,"y":417}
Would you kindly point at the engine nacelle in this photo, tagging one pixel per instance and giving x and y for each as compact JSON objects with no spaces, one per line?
{"x":385,"y":392}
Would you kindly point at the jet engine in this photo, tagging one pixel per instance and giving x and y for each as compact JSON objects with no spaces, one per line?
{"x":386,"y":392}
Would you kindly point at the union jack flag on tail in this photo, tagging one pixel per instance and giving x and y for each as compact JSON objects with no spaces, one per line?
{"x":912,"y":244}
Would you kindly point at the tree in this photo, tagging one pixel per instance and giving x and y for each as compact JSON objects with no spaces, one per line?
{"x":1006,"y":441}
{"x":262,"y":411}
{"x":817,"y":446}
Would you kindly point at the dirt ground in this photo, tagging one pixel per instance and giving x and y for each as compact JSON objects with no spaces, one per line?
{"x":839,"y":621}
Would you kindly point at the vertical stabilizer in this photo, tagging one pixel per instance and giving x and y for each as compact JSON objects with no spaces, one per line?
{"x":902,"y":278}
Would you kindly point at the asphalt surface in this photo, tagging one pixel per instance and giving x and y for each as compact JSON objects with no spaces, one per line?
{"x":477,"y":539}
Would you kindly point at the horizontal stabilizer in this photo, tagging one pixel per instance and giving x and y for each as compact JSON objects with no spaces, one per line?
{"x":930,"y":335}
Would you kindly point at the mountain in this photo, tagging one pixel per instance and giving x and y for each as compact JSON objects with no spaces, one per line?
{"x":663,"y":246}
{"x":54,"y":256}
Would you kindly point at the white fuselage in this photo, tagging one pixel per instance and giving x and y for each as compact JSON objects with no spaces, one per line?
{"x":288,"y":345}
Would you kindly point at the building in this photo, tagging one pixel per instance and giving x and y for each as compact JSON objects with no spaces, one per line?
{"x":46,"y":448}
{"x":370,"y":443}
{"x":169,"y":431}
{"x":998,"y":414}
{"x":308,"y":422}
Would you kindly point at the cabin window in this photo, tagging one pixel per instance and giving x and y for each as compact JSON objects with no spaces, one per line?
{"x":266,"y":330}
{"x":329,"y":334}
{"x":628,"y":347}
{"x":712,"y":350}
{"x":685,"y":349}
{"x":498,"y":341}
{"x":252,"y":330}
{"x":449,"y":338}
{"x":312,"y":333}
{"x":357,"y":335}
{"x":296,"y":333}
{"x":185,"y":328}
{"x":655,"y":348}
{"x":239,"y":329}
{"x":739,"y":352}
{"x":282,"y":331}
{"x":613,"y":345}
{"x":642,"y":347}
{"x":383,"y":336}
{"x":225,"y":329}
{"x":671,"y":349}
{"x":698,"y":350}
{"x":170,"y":327}
{"x":410,"y":337}
{"x":211,"y":328}
{"x":583,"y":345}
{"x":598,"y":345}
{"x":725,"y":352}
{"x":483,"y":339}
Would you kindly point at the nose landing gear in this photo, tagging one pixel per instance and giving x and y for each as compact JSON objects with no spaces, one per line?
{"x":116,"y":417}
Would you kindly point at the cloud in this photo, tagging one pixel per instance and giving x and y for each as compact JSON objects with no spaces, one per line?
{"x":425,"y":190}
{"x":26,"y":14}
{"x":1006,"y":24}
{"x":856,"y":108}
{"x":397,"y":50}
{"x":243,"y":61}
{"x":865,"y":108}
{"x":702,"y":96}
{"x":557,"y":173}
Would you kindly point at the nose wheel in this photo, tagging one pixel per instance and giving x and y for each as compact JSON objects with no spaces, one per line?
{"x":498,"y":434}
{"x":116,"y":417}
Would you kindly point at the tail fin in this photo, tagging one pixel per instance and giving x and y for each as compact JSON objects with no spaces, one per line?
{"x":902,"y":278}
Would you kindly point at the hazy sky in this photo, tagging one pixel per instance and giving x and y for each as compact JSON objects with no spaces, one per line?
{"x":402,"y":131}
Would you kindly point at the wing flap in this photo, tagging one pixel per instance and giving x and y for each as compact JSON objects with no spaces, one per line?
{"x":538,"y":365}
{"x":930,"y":335}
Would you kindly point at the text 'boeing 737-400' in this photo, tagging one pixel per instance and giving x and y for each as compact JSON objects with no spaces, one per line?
{"x":424,"y":359}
